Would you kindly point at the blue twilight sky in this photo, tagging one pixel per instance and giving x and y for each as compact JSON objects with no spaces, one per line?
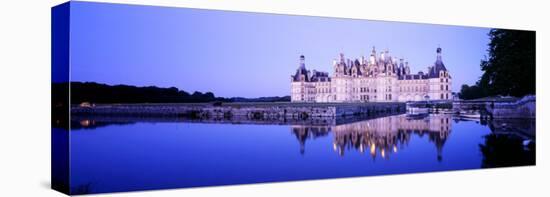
{"x":247,"y":54}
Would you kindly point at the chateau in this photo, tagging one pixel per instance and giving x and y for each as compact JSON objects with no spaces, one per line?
{"x":380,"y":78}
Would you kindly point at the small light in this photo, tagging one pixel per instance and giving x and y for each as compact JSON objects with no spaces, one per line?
{"x":85,"y":123}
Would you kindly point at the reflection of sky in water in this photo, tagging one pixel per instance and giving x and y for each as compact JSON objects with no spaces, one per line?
{"x":168,"y":155}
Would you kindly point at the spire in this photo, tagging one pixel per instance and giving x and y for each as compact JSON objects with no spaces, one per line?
{"x":438,"y":65}
{"x":301,"y":71}
{"x":302,"y":62}
{"x":407,"y":68}
{"x":438,"y":53}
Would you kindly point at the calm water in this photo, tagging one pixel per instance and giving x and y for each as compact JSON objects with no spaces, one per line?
{"x":155,"y":155}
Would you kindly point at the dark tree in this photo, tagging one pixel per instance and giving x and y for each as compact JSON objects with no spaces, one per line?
{"x":472,"y":92}
{"x":510,"y":67}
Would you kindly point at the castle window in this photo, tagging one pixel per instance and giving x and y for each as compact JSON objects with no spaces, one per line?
{"x":441,"y":87}
{"x":447,"y":87}
{"x":442,"y":96}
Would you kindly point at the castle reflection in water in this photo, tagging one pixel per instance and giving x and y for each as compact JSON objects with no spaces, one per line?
{"x":510,"y":140}
{"x":380,"y":137}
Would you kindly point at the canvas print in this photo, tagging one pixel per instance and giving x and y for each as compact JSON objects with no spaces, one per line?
{"x":148,"y":97}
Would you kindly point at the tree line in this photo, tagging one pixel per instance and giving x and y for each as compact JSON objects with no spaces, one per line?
{"x":509,"y":69}
{"x":102,"y":93}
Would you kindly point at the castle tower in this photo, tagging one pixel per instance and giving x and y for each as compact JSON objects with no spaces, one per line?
{"x":438,"y":65}
{"x":301,"y":73}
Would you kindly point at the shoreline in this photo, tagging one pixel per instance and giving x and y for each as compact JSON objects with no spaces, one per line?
{"x":243,"y":111}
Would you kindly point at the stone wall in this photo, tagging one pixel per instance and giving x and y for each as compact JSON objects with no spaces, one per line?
{"x":523,"y":108}
{"x":249,"y":110}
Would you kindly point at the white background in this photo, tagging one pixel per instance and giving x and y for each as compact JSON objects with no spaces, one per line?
{"x":25,"y":98}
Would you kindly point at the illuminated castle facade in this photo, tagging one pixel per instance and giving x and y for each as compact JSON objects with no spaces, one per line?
{"x":380,"y":78}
